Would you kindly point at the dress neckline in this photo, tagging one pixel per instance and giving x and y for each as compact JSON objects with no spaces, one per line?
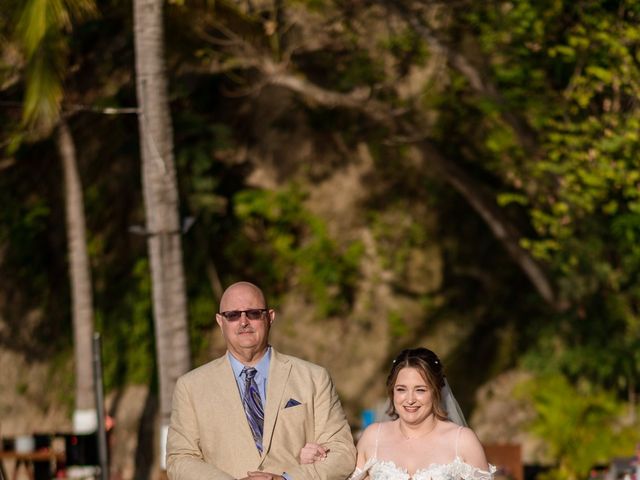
{"x":431,"y":466}
{"x":456,"y":458}
{"x":433,"y":471}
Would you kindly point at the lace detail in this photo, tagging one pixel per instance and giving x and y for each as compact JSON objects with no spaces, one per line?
{"x":388,"y":470}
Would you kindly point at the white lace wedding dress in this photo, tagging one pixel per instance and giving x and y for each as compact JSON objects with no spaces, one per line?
{"x":378,"y":469}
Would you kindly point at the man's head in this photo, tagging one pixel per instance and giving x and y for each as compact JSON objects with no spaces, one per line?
{"x":245,"y":321}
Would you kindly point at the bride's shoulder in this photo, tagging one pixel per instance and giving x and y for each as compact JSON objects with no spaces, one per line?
{"x":469,"y":447}
{"x":372,"y":430}
{"x":371,"y":433}
{"x":467,"y":435}
{"x":456,"y":433}
{"x":447,"y":427}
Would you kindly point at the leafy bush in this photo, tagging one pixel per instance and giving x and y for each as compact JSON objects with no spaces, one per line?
{"x":282,"y":240}
{"x":582,"y":424}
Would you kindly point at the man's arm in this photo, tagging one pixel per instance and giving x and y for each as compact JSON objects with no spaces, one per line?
{"x":184,"y":457}
{"x":332,"y":432}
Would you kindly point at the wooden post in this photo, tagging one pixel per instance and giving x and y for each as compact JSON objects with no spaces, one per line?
{"x":103,"y":454}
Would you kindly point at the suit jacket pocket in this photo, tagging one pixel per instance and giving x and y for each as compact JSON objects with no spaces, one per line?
{"x":296,"y":412}
{"x":294,"y":426}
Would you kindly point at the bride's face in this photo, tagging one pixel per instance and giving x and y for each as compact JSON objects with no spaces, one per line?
{"x":412,"y":396}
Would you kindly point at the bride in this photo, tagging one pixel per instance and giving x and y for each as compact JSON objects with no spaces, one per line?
{"x":427,"y":438}
{"x":420,"y":443}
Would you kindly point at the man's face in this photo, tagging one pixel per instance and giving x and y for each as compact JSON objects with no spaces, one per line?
{"x":243,"y":335}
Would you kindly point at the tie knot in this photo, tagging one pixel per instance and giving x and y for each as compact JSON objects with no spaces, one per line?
{"x":249,"y":372}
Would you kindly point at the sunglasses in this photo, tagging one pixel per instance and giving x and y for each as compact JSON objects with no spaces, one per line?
{"x":252,"y":314}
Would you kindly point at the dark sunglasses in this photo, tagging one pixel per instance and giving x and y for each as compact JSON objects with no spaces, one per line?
{"x":252,"y":314}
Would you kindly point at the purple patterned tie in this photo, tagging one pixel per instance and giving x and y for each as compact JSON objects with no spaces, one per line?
{"x":253,"y":405}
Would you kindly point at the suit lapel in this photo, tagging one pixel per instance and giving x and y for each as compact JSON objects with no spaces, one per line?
{"x":231,"y":403}
{"x":278,"y":375}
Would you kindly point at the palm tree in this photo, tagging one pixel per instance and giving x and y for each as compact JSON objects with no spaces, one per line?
{"x":40,"y":34}
{"x":84,"y":418}
{"x":161,"y":205}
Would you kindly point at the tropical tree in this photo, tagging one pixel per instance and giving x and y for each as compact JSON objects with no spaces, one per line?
{"x":81,"y":290}
{"x":510,"y":123}
{"x":501,"y":101}
{"x":527,"y":110}
{"x":161,"y":205}
{"x":41,"y":32}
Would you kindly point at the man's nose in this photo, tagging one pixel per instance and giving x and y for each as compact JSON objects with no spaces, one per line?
{"x":244,"y":321}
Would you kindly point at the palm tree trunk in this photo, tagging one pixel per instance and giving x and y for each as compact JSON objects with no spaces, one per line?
{"x":84,"y":417}
{"x":161,"y":205}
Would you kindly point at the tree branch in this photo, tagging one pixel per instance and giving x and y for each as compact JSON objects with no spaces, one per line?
{"x":495,"y":219}
{"x":471,"y":191}
{"x":381,"y":113}
{"x":460,"y":63}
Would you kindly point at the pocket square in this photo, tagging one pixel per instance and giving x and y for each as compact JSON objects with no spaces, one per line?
{"x":292,"y":403}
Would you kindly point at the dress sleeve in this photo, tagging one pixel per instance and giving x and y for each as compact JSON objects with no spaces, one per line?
{"x":361,"y":473}
{"x":472,"y":473}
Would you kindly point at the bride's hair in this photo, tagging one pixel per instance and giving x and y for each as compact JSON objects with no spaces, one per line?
{"x":430,"y":368}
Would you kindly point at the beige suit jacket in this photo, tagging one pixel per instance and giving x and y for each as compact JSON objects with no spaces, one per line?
{"x":210,"y":439}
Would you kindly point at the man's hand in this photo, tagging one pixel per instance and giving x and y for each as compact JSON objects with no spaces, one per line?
{"x":312,"y":452}
{"x":262,"y":476}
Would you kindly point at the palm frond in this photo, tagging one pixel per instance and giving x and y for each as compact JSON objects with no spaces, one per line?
{"x":80,"y":10}
{"x":39,"y":31}
{"x":33,"y":24}
{"x":43,"y":93}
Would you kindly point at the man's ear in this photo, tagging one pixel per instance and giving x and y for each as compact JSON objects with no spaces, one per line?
{"x":219,"y":319}
{"x":272,"y":315}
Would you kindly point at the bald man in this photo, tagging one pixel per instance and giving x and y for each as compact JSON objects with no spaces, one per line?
{"x":252,"y":413}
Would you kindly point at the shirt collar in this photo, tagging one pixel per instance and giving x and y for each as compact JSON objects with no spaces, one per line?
{"x":262,"y":366}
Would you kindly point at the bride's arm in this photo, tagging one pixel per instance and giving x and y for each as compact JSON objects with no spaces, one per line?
{"x":471,"y":451}
{"x":365,"y":448}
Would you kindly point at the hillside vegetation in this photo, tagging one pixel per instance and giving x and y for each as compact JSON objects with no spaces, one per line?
{"x":461,"y":175}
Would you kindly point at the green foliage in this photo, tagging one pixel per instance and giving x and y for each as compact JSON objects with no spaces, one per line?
{"x":27,"y":222}
{"x":408,"y":48}
{"x":580,"y":424}
{"x":201,"y":320}
{"x":360,"y":69}
{"x":44,"y":89}
{"x":567,"y":71}
{"x":281,"y":240}
{"x":22,"y":388}
{"x":40,"y":31}
{"x":398,"y":237}
{"x":398,"y":328}
{"x":600,"y":345}
{"x":127,"y":333}
{"x":356,"y":69}
{"x":583,"y":221}
{"x":23,"y":225}
{"x":38,"y":17}
{"x":194,"y":159}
